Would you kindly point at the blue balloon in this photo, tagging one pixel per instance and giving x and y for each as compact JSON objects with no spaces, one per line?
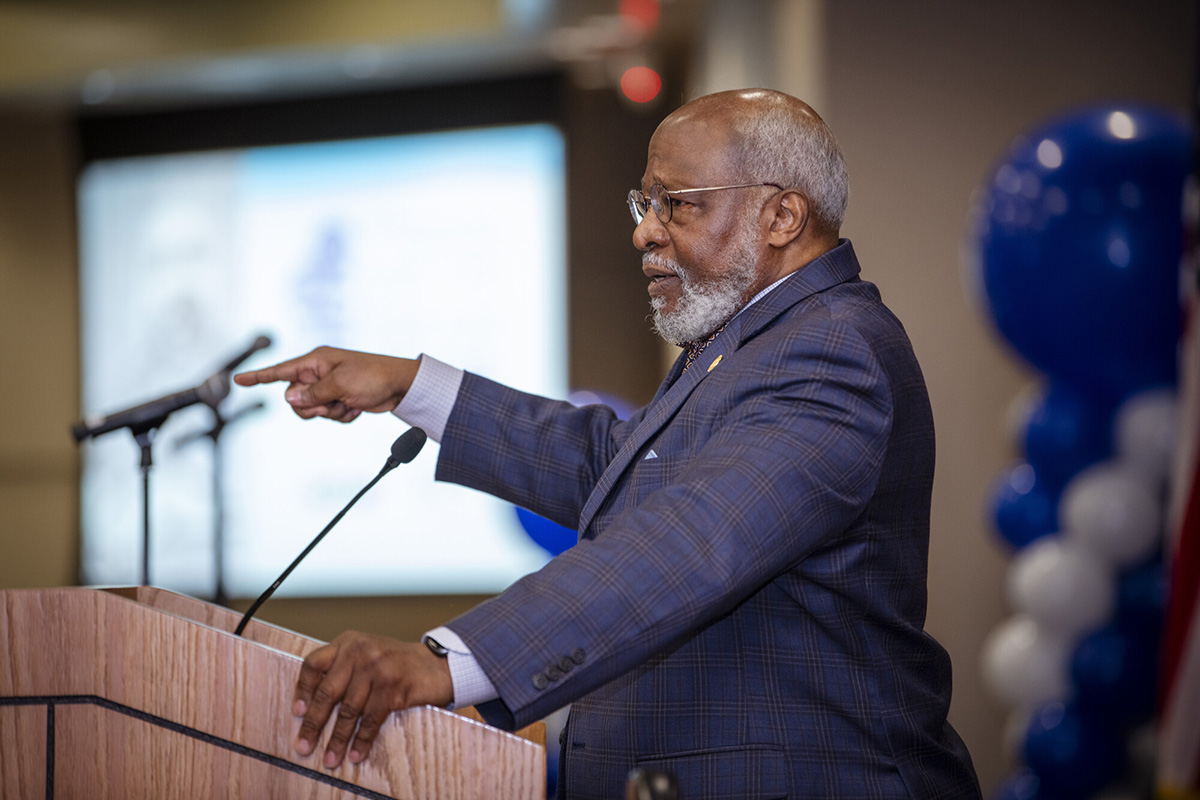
{"x":1066,"y":432}
{"x":1114,"y":673}
{"x":550,"y":536}
{"x":1023,"y":509}
{"x":1072,"y":755}
{"x":1079,"y":236}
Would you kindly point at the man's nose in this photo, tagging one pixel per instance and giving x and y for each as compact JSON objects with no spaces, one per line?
{"x":650,"y":232}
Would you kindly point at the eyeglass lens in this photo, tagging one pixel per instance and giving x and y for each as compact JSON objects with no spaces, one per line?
{"x":637,"y":205}
{"x":659,"y":200}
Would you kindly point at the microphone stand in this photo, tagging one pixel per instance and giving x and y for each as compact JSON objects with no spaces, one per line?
{"x":220,"y":423}
{"x":144,"y":436}
{"x":142,"y":421}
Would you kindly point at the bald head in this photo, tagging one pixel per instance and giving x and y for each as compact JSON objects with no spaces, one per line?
{"x":774,"y":137}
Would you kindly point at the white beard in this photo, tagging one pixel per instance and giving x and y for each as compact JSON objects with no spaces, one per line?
{"x":704,"y":307}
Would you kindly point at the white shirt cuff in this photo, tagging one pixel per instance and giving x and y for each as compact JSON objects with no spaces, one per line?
{"x":471,"y":686}
{"x":430,"y":399}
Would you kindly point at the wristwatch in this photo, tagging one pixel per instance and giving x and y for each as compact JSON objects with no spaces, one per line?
{"x":441,"y":651}
{"x":435,"y":646}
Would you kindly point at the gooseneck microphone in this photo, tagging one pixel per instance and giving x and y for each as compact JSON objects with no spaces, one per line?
{"x":154,"y":413}
{"x":404,"y":450}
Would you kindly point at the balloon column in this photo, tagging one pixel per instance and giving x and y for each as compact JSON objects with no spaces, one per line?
{"x":1078,"y":237}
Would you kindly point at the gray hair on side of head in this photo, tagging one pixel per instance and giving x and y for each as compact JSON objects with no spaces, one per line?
{"x":783,"y":145}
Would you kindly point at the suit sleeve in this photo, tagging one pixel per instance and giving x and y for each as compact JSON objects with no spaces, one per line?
{"x":496,"y":442}
{"x":786,"y":449}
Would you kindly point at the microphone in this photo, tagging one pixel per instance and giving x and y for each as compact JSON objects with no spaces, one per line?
{"x":261,"y":343}
{"x":147,"y":415}
{"x":404,"y":450}
{"x":154,"y":413}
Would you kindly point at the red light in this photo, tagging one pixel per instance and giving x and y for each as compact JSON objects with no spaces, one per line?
{"x":641,"y":15}
{"x":640,"y":84}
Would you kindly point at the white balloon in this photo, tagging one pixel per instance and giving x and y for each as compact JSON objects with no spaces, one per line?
{"x":1112,"y":511}
{"x":1025,"y":665}
{"x":1061,"y":585}
{"x":1145,"y":431}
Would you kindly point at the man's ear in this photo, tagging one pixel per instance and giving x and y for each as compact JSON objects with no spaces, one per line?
{"x":791,"y":218}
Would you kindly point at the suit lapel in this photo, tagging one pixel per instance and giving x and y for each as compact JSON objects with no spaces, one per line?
{"x":834,"y":267}
{"x":672,"y":376}
{"x":671,"y":398}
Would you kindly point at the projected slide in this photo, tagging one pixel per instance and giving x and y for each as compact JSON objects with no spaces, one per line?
{"x":450,"y":244}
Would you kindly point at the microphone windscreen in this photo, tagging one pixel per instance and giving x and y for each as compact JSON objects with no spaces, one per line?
{"x":405,"y":448}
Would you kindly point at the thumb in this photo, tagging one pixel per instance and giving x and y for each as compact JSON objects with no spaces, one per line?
{"x":320,"y":399}
{"x":301,"y":395}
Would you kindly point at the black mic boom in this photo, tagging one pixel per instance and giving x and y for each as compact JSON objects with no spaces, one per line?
{"x":147,"y":415}
{"x":261,"y":343}
{"x":154,"y":413}
{"x":404,"y":450}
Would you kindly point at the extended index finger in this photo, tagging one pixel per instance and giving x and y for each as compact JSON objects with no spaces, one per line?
{"x":305,"y":369}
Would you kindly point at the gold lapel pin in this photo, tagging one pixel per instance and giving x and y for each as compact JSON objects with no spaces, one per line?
{"x":716,"y":361}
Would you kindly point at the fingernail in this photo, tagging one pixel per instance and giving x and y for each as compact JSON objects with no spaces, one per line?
{"x":331,"y":759}
{"x":291,"y":395}
{"x":355,"y":756}
{"x":303,"y":747}
{"x":299,"y":708}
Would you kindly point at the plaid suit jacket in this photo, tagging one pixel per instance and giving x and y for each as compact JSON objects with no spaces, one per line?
{"x":745,"y":606}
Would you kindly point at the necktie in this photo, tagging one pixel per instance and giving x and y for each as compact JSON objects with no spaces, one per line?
{"x":694,"y":349}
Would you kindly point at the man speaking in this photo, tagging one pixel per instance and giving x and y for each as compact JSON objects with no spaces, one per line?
{"x":745,"y":607}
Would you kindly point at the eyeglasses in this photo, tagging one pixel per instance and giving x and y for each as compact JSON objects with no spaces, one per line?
{"x":660,"y":199}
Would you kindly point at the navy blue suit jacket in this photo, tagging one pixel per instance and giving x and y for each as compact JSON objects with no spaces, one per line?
{"x":746,"y":603}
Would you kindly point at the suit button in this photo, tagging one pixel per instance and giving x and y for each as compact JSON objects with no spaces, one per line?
{"x":566,"y":665}
{"x":578,"y":656}
{"x":540,"y":681}
{"x":553,"y":672}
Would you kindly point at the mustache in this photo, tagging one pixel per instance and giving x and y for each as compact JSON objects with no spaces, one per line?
{"x":657,"y":260}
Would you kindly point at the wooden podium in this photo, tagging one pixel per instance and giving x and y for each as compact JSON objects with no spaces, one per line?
{"x":144,"y":693}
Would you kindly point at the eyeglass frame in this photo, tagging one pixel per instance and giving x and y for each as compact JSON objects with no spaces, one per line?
{"x":649,"y":202}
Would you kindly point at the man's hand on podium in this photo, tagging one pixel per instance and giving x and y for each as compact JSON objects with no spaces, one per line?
{"x":370,"y":676}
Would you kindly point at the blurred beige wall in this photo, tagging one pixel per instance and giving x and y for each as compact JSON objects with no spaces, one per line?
{"x":48,"y":42}
{"x":39,"y":363}
{"x":923,"y":94}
